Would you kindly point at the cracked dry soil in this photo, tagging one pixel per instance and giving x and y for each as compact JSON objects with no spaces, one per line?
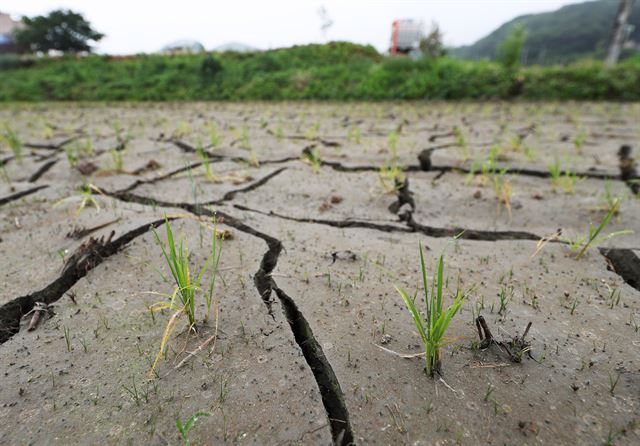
{"x":309,"y":319}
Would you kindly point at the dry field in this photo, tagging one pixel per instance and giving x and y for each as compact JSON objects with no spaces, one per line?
{"x":321,"y":209}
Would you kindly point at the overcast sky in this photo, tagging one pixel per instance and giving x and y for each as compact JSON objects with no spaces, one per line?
{"x":134,"y":26}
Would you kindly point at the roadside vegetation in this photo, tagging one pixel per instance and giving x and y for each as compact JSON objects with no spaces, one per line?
{"x":335,"y":71}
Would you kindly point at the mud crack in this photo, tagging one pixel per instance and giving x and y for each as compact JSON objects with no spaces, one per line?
{"x":625,"y":263}
{"x":42,"y":170}
{"x":252,"y":186}
{"x":18,"y":195}
{"x":89,"y":255}
{"x":50,"y":146}
{"x":412,"y":226}
{"x":328,"y":385}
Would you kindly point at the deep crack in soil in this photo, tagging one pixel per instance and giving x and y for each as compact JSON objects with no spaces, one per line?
{"x":18,"y":195}
{"x":89,"y":255}
{"x":42,"y":170}
{"x":625,"y":263}
{"x":331,"y":392}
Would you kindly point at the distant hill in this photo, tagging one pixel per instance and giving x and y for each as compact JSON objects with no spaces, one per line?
{"x":572,"y":32}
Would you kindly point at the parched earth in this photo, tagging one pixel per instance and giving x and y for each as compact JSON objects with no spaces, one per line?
{"x":323,"y":208}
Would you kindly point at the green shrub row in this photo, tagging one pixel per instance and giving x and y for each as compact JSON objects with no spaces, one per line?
{"x":335,"y":71}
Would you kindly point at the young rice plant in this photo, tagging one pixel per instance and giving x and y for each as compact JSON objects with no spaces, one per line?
{"x":435,"y":322}
{"x":183,"y":299}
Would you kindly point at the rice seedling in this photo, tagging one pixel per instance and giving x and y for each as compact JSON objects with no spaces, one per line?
{"x":245,"y":142}
{"x":184,"y":129}
{"x":312,"y":156}
{"x":529,"y":153}
{"x":204,"y":157}
{"x":253,"y":160}
{"x":556,"y":171}
{"x":392,"y":143}
{"x":312,"y":132}
{"x":47,"y":133}
{"x":73,"y":156}
{"x":11,"y":139}
{"x":435,"y":322}
{"x":391,"y":178}
{"x":564,"y":178}
{"x":87,"y":148}
{"x":183,"y":299}
{"x":185,"y":428}
{"x":502,"y":190}
{"x":354,"y":134}
{"x":4,"y":174}
{"x":579,"y":141}
{"x":214,"y":135}
{"x":216,"y":252}
{"x":609,"y":200}
{"x":461,"y":142}
{"x":116,"y":157}
{"x":583,"y":242}
{"x":85,"y":196}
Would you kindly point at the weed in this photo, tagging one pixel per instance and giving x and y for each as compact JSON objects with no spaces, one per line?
{"x":614,"y":297}
{"x":4,"y":174}
{"x":632,"y":322}
{"x":611,"y":435}
{"x":586,"y":240}
{"x":505,"y":297}
{"x":185,"y":428}
{"x":574,"y":305}
{"x":433,"y":327}
{"x":613,"y":382}
{"x":137,"y":394}
{"x":67,"y":337}
{"x":224,"y":391}
{"x":216,"y":252}
{"x":489,"y":392}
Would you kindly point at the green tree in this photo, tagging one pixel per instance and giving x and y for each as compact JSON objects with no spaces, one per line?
{"x":431,"y":45}
{"x":509,"y":52}
{"x":61,"y":30}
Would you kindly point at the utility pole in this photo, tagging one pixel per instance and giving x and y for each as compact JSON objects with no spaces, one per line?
{"x":620,"y":32}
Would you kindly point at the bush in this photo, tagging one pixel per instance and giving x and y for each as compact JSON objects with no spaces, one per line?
{"x":336,"y":71}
